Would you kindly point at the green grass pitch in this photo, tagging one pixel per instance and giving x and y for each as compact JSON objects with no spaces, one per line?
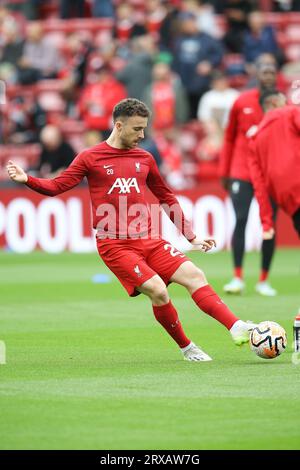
{"x":89,"y":368}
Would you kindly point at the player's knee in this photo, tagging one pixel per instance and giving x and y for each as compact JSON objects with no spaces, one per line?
{"x":159,"y":293}
{"x":197,"y":279}
{"x":156,"y":289}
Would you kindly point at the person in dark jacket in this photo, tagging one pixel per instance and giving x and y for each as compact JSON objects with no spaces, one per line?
{"x":196,"y":54}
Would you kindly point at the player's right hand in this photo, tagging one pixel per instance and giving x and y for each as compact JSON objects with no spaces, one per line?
{"x":16,"y":173}
{"x":268,"y":234}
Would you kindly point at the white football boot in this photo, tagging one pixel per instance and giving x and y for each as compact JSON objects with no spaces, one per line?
{"x":240,"y":331}
{"x":264,"y":288}
{"x":194,"y":353}
{"x":235,"y":286}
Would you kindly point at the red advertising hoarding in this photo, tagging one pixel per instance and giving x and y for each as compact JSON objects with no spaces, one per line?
{"x":30,"y":221}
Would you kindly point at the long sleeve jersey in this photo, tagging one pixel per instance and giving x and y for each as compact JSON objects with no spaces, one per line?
{"x":245,"y":113}
{"x":118,"y":179}
{"x":274,"y":162}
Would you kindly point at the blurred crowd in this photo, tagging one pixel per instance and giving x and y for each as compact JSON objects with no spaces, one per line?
{"x":66,"y":64}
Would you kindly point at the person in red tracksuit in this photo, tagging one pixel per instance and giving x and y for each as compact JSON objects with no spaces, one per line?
{"x":274,"y":160}
{"x":245,"y":114}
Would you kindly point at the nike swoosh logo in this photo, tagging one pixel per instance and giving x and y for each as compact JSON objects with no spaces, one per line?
{"x":107,"y":166}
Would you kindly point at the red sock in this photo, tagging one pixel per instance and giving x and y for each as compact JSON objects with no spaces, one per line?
{"x":208,"y":301}
{"x":238,"y":272}
{"x":167,"y":316}
{"x":263,"y":275}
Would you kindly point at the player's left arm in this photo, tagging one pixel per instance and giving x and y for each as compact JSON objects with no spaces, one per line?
{"x":171,"y":206}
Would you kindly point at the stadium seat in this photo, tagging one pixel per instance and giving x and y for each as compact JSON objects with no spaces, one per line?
{"x":277,"y":20}
{"x":77,"y":24}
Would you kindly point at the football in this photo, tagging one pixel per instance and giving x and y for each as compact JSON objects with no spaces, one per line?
{"x":268,"y":340}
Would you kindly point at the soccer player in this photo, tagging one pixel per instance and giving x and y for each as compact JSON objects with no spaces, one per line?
{"x":245,"y":113}
{"x":118,"y":172}
{"x":274,"y":160}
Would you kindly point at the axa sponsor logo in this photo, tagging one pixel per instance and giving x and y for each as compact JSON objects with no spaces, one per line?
{"x":124,"y":185}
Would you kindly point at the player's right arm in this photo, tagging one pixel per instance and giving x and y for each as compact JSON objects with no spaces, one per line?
{"x":51,"y":187}
{"x":228,"y":144}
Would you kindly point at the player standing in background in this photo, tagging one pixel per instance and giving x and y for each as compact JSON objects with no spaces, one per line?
{"x":274,"y":160}
{"x":118,"y":173}
{"x":245,"y":113}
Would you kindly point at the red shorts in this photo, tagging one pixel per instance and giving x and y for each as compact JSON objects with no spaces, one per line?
{"x":136,"y":261}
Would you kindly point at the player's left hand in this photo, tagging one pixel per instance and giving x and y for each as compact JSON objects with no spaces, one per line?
{"x":268,"y":234}
{"x":204,"y":245}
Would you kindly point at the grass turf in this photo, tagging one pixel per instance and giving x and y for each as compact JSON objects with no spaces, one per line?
{"x":89,"y":368}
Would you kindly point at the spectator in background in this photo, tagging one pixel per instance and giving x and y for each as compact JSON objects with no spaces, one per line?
{"x":195,"y":56}
{"x":166,"y":97}
{"x":98,"y":100}
{"x":137,"y":74}
{"x":102,"y":8}
{"x":286,"y":5}
{"x":168,"y":103}
{"x":28,"y":8}
{"x":282,"y":82}
{"x":169,"y":26}
{"x":205,"y":16}
{"x":26,"y":120}
{"x":259,"y":39}
{"x":56,"y":155}
{"x":40,"y":59}
{"x":213,"y":111}
{"x":125,"y":26}
{"x":208,"y":149}
{"x":69,"y":8}
{"x":168,"y":145}
{"x":77,"y":52}
{"x":11,"y":52}
{"x":156,"y":12}
{"x":236,"y":12}
{"x":216,"y":103}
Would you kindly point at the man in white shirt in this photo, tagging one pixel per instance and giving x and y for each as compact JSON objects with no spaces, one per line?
{"x":215,"y":104}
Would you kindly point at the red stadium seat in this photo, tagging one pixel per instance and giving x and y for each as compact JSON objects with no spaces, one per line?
{"x":77,"y":24}
{"x":277,"y":20}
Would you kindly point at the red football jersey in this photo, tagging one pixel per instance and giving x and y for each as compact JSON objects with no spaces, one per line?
{"x":117,"y":180}
{"x":274,"y":162}
{"x":245,"y":113}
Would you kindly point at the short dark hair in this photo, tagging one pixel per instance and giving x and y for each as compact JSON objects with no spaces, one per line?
{"x":265,"y":95}
{"x":130,"y":107}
